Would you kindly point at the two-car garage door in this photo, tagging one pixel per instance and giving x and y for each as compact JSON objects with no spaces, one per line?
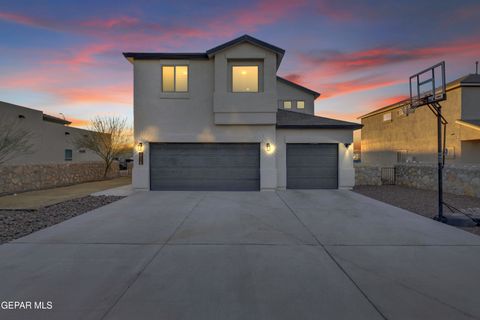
{"x":236,"y":166}
{"x":205,"y":166}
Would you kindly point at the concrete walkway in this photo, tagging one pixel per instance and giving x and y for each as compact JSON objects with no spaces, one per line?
{"x":42,"y":198}
{"x":325,"y":254}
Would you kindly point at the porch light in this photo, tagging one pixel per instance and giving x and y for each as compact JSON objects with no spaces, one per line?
{"x":347,"y":144}
{"x":268,"y":147}
{"x":140,"y":153}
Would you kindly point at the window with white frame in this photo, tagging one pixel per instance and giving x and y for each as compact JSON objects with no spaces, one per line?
{"x":175,"y":78}
{"x":300,"y":104}
{"x":287,"y":104}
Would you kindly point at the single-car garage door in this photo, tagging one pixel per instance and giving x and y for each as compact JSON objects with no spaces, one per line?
{"x":205,"y":166}
{"x":312,"y":166}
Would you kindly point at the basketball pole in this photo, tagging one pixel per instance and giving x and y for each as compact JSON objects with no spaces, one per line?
{"x":440,"y":162}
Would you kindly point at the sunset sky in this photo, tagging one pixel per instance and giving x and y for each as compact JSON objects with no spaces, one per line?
{"x":65,"y":56}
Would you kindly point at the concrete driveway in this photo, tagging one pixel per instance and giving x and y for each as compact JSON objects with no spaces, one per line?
{"x":324,"y":254}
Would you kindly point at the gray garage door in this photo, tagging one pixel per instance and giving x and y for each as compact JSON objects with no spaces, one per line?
{"x":312,"y":166}
{"x":205,"y":166}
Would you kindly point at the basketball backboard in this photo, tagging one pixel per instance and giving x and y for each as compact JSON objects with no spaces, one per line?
{"x":428,"y":86}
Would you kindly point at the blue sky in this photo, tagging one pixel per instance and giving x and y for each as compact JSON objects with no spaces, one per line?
{"x":65,"y":56}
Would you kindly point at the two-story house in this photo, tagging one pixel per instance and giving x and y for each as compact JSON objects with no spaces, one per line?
{"x":223,"y":120}
{"x":389,"y":135}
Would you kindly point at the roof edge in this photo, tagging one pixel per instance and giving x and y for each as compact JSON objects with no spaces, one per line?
{"x":296,"y":85}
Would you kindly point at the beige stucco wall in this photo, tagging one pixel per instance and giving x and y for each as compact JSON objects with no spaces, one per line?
{"x":417,"y":133}
{"x":48,"y":138}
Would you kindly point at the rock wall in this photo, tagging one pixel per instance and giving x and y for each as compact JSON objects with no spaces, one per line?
{"x":457,"y":179}
{"x":22,"y":178}
{"x":367,"y":175}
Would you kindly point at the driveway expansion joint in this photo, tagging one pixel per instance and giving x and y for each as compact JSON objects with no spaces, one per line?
{"x":333,"y":259}
{"x":135,"y":278}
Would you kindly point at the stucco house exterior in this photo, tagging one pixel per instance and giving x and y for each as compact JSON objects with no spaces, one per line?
{"x":390,"y":136}
{"x":52,"y":139}
{"x":223,"y":120}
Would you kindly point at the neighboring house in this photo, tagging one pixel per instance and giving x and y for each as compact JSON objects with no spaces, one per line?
{"x":390,"y":136}
{"x":52,"y":139}
{"x":224,"y":120}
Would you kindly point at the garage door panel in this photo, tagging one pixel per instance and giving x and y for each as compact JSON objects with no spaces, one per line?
{"x":312,"y":166}
{"x":205,"y":173}
{"x":313,"y":172}
{"x":205,"y":166}
{"x":208,"y":185}
{"x":308,"y":183}
{"x":197,"y":161}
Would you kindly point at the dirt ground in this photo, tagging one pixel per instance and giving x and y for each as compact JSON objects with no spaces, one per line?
{"x":423,"y":202}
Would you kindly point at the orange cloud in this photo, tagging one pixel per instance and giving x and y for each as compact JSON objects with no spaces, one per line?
{"x":79,"y":123}
{"x":119,"y":94}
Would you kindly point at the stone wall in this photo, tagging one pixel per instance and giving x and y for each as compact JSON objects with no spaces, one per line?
{"x":21,"y":178}
{"x":457,"y":179}
{"x":367,"y":175}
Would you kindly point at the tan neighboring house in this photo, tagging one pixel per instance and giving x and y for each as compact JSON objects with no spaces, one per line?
{"x":390,"y":136}
{"x":52,"y":138}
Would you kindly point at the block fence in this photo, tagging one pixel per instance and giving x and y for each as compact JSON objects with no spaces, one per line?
{"x":457,"y":179}
{"x":20,"y":178}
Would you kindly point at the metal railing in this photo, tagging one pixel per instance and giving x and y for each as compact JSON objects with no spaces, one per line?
{"x":388,"y":176}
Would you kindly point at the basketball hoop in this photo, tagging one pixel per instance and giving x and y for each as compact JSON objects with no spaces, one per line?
{"x":428,"y":88}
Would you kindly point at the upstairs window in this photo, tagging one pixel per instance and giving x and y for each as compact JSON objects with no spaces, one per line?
{"x":175,"y":78}
{"x":300,"y":104}
{"x":244,"y":78}
{"x":287,"y":104}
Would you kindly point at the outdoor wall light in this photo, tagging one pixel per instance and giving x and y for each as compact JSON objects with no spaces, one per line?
{"x":140,"y":153}
{"x":347,"y":144}
{"x":269,"y":148}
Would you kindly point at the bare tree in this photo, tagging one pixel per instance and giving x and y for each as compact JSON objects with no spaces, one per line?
{"x":14,"y":140}
{"x":108,"y":138}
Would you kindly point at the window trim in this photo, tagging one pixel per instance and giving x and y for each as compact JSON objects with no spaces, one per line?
{"x":175,"y":65}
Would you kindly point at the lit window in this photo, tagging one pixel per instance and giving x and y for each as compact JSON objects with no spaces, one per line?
{"x":245,"y":78}
{"x":174,"y":78}
{"x":287,"y":104}
{"x":68,"y":154}
{"x":387,"y":117}
{"x":300,"y":104}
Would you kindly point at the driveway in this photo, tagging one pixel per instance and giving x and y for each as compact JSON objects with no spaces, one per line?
{"x":323,"y":254}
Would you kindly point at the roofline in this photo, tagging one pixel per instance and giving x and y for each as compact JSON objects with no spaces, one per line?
{"x":47,"y":117}
{"x":296,"y":85}
{"x":164,"y":55}
{"x":467,"y":124}
{"x":452,"y":85}
{"x":322,"y":126}
{"x":278,"y":51}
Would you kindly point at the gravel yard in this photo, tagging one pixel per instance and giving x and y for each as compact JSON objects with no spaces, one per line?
{"x":422,"y":202}
{"x":18,"y":223}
